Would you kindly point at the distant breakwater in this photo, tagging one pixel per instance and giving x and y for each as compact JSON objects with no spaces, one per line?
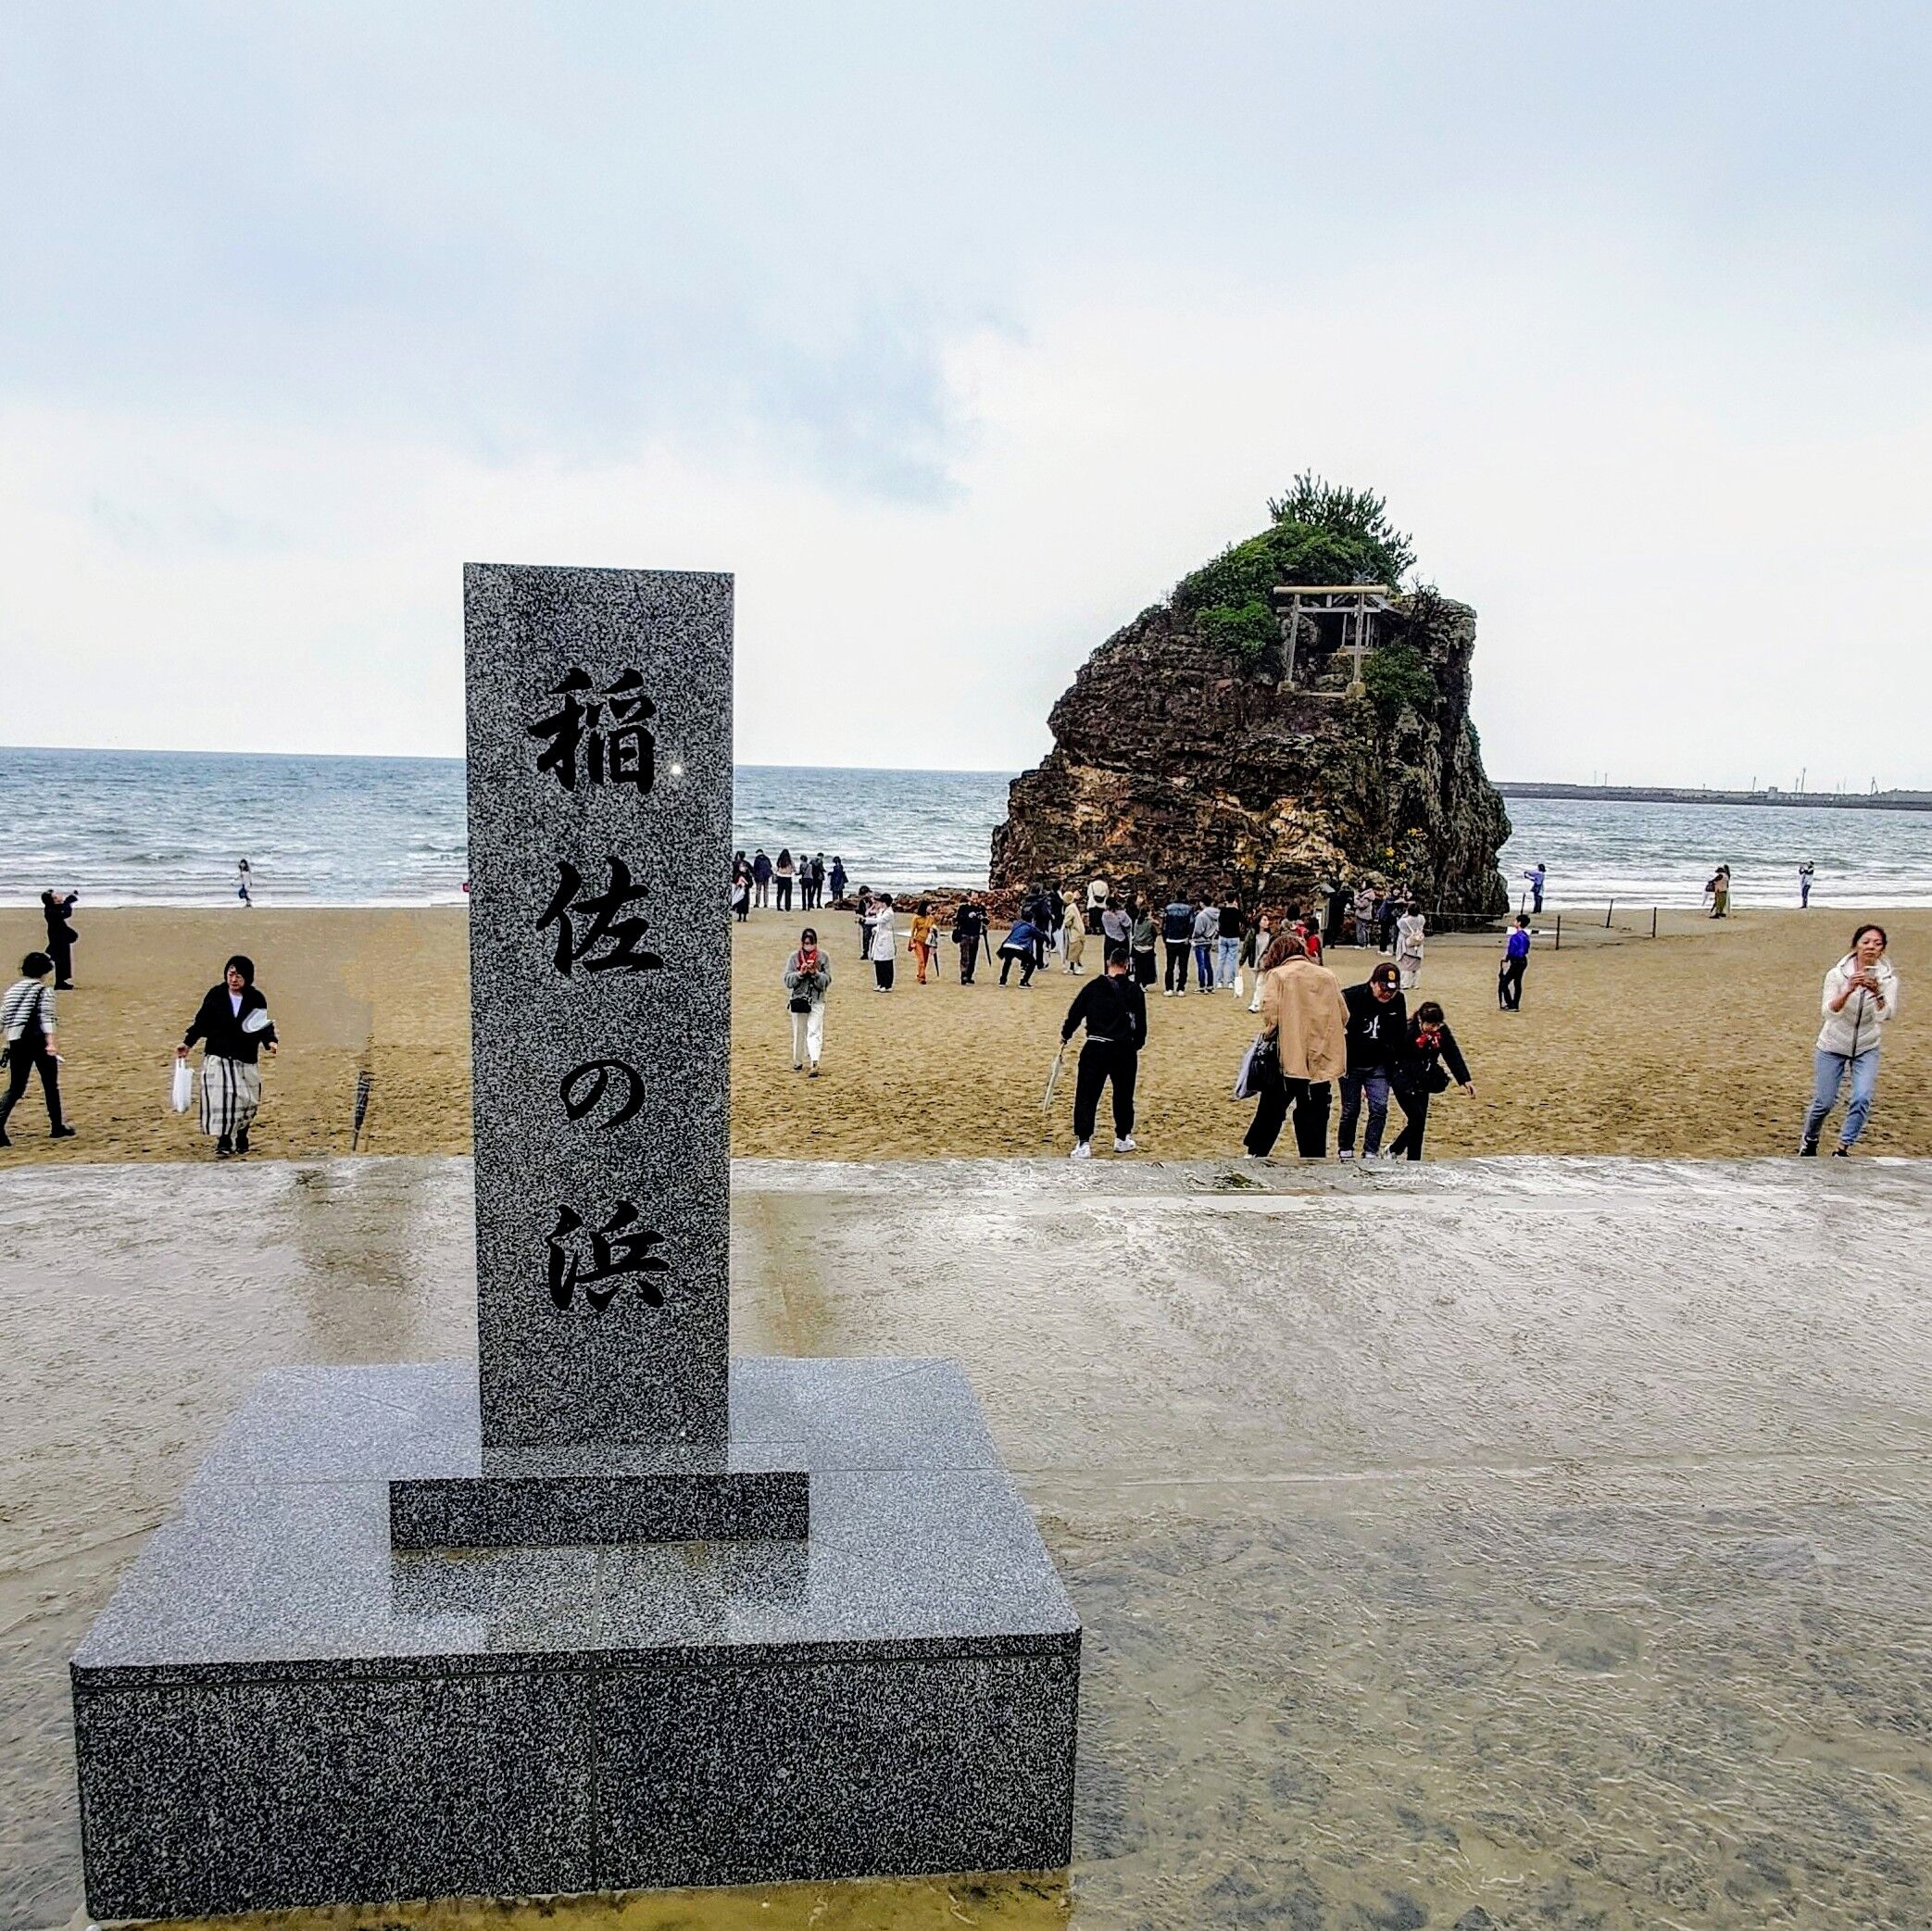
{"x":1694,"y":794}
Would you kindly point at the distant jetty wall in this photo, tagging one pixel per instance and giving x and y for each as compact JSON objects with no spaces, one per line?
{"x":1695,"y":795}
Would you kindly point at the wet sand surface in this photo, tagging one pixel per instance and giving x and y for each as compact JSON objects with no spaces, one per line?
{"x":1517,"y":1543}
{"x":1699,"y":1042}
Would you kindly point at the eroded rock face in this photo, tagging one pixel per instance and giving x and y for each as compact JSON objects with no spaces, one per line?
{"x":1179,"y":765}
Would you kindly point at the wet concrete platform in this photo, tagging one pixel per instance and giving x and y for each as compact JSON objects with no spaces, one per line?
{"x":1508,"y":1543}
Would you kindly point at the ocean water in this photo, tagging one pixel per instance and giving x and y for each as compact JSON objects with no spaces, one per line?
{"x":166,"y":828}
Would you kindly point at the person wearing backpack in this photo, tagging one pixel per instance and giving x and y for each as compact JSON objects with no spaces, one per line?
{"x":1114,"y":1011}
{"x":27,"y":1020}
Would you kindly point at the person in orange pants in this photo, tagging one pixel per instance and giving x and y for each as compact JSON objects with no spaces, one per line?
{"x":923,"y":938}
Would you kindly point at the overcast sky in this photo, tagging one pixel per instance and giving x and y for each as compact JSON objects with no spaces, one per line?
{"x":958,"y":334}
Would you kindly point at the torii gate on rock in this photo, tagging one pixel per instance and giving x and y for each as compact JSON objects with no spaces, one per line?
{"x":1357,"y":604}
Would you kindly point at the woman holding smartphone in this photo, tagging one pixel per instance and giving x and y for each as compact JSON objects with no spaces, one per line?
{"x":1861,"y":999}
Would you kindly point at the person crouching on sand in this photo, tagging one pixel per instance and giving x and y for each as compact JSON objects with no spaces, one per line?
{"x":1861,"y":999}
{"x":807,"y":978}
{"x":234,"y":1027}
{"x":1019,"y":945}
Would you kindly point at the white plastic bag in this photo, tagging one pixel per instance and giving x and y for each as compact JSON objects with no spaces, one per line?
{"x":182,"y":1095}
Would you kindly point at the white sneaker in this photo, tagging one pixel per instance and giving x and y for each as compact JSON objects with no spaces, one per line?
{"x":1366,"y":1157}
{"x":1129,"y":1145}
{"x":1167,"y":992}
{"x":1083,"y":1150}
{"x":1346,"y":1155}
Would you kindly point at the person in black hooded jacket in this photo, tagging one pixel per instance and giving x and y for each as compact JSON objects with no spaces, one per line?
{"x":1430,"y":1060}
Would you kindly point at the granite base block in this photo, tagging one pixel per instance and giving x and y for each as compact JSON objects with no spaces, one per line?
{"x":279,"y":1708}
{"x":495,"y":1511}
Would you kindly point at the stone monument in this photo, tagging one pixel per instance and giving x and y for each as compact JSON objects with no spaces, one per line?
{"x":610,"y":1611}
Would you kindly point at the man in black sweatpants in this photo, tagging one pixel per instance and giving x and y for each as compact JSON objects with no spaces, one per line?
{"x":1114,"y":1011}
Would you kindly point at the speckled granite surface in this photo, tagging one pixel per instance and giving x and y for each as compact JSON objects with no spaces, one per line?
{"x":600,"y":998}
{"x":899,"y":1692}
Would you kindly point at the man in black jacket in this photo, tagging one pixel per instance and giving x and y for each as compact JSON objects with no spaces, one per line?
{"x":969,"y":934}
{"x":1430,"y":1060}
{"x":58,"y":910}
{"x":1115,"y":1012}
{"x":1378,"y":1036}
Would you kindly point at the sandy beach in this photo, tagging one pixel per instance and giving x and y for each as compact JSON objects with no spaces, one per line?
{"x":1697,"y":1043}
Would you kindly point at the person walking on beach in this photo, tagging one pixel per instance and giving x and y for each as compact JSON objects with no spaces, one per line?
{"x":882,"y":946}
{"x":1536,"y":875}
{"x":244,"y":883}
{"x":1409,"y":929}
{"x":1072,"y":931}
{"x":1804,"y":883}
{"x":1861,"y":999}
{"x":1419,"y":1074}
{"x":58,"y":910}
{"x":1229,"y":928}
{"x":234,"y":1027}
{"x":1142,"y":938}
{"x":1516,"y":962}
{"x":1302,"y":1050}
{"x":760,"y":877}
{"x":838,"y":877}
{"x":1378,"y":1032}
{"x":1177,"y":935}
{"x":924,"y":936}
{"x":1205,"y":931}
{"x":27,"y":1023}
{"x":1114,"y":1011}
{"x":1096,"y":889}
{"x":782,"y":877}
{"x":807,"y":978}
{"x":969,"y":935}
{"x":1020,"y":944}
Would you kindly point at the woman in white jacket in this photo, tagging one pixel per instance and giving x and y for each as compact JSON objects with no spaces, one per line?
{"x":1861,"y":999}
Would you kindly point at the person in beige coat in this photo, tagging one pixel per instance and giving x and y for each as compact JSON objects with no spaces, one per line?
{"x":1304,"y":1022}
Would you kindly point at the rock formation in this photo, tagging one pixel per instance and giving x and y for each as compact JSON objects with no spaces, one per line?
{"x":1181,"y":758}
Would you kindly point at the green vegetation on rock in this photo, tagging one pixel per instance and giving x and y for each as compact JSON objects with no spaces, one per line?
{"x":1322,"y":533}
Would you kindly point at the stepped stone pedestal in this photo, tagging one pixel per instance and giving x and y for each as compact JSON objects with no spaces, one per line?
{"x":607,"y":1610}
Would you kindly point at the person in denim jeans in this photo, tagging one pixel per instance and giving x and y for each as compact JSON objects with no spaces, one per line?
{"x":1378,"y":1035}
{"x":1860,"y":998}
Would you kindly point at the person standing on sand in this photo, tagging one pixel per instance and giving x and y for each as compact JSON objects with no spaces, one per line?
{"x":1206,"y":932}
{"x":1419,"y":1074}
{"x":807,"y":978}
{"x":1229,"y":929}
{"x":27,"y":1024}
{"x":1861,"y":999}
{"x":1516,"y":962}
{"x":1142,"y":938}
{"x":1409,"y":929}
{"x":838,"y":877}
{"x":57,"y":909}
{"x":1114,"y":1011}
{"x":1804,"y":883}
{"x":1537,"y":875}
{"x":1378,"y":1029}
{"x":1072,"y":931}
{"x":1720,"y":891}
{"x":882,"y":945}
{"x":760,"y":877}
{"x":1096,"y":889}
{"x":1303,"y":1048}
{"x":922,"y":936}
{"x":782,"y":873}
{"x":233,"y":1027}
{"x":1176,"y":935}
{"x":244,"y":883}
{"x":969,"y":935}
{"x":865,"y":902}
